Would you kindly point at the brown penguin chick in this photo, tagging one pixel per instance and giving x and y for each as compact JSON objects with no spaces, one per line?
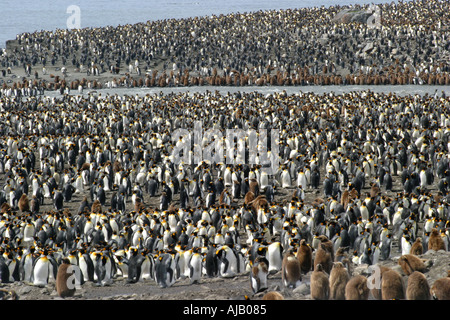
{"x":5,"y":208}
{"x":85,"y":166}
{"x":435,"y":241}
{"x":374,"y":282}
{"x":96,"y":207}
{"x":417,"y":288}
{"x":273,"y":295}
{"x":34,"y":204}
{"x":345,"y":199}
{"x":259,"y":274}
{"x":254,"y":187}
{"x":411,"y":263}
{"x":417,"y":247}
{"x":62,"y":280}
{"x":342,"y":256}
{"x":338,"y":281}
{"x":290,"y":270}
{"x":117,"y":166}
{"x":320,"y":284}
{"x":356,"y":288}
{"x":440,"y":290}
{"x":139,"y":205}
{"x":374,"y":191}
{"x":327,"y":245}
{"x":304,"y":256}
{"x":391,"y":285}
{"x":323,"y":257}
{"x":260,"y":202}
{"x":249,"y":197}
{"x":24,"y":203}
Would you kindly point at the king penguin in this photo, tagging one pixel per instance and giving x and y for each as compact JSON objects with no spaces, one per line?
{"x":41,"y":270}
{"x":165,"y":270}
{"x":86,"y":265}
{"x":195,"y":266}
{"x":275,"y":257}
{"x":290,"y":273}
{"x":304,"y":256}
{"x":26,"y":264}
{"x":227,"y":262}
{"x":258,"y":275}
{"x":134,"y":266}
{"x":285,"y":179}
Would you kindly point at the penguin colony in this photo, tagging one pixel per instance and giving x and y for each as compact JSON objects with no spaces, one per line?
{"x":307,"y":46}
{"x":88,"y":181}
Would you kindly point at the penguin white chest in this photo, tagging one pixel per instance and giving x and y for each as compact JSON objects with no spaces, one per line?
{"x":285,"y":179}
{"x":41,"y":272}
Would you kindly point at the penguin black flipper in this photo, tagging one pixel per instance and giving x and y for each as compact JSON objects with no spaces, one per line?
{"x":191,"y":271}
{"x":16,"y":273}
{"x":160,"y":272}
{"x":226,"y":264}
{"x":211,"y":265}
{"x":238,"y":260}
{"x":90,"y":266}
{"x":4,"y":271}
{"x":171,"y":274}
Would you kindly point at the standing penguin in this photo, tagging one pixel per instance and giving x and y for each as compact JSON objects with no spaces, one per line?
{"x":385,"y":247}
{"x":63,"y":286}
{"x":391,"y":285}
{"x":42,"y":268}
{"x":103,"y":269}
{"x":290,"y":270}
{"x":211,"y":262}
{"x":195,"y":266}
{"x":435,"y":241}
{"x":339,"y":277}
{"x":274,"y":257}
{"x":26,"y":264}
{"x":387,"y":181}
{"x":165,"y":270}
{"x":58,"y":200}
{"x":285,"y":179}
{"x":323,"y":257}
{"x":258,"y":275}
{"x":86,"y":265}
{"x":315,"y":179}
{"x":440,"y":290}
{"x":406,"y":244}
{"x":134,"y":266}
{"x":68,"y":191}
{"x":320,"y":284}
{"x":228,"y":263}
{"x":418,"y":287}
{"x":24,"y":203}
{"x":304,"y":256}
{"x":4,"y":272}
{"x":417,"y":247}
{"x":357,"y":289}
